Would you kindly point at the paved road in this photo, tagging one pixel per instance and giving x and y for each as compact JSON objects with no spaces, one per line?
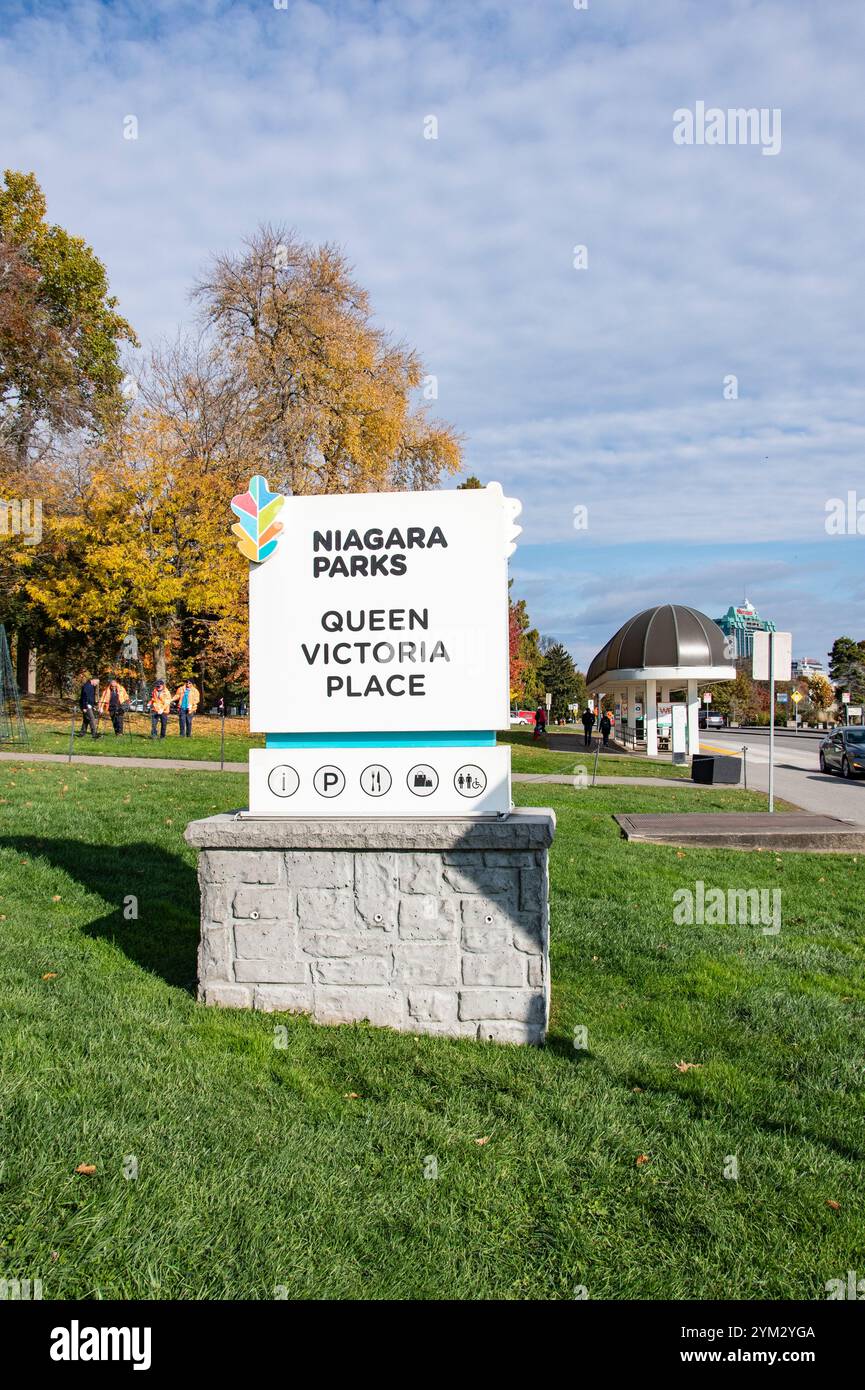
{"x":797,"y":775}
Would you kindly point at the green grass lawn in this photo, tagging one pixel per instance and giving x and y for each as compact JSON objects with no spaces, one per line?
{"x":258,"y":1167}
{"x":52,"y":736}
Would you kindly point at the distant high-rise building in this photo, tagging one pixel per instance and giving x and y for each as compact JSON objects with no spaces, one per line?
{"x":807,"y":666}
{"x":741,"y":623}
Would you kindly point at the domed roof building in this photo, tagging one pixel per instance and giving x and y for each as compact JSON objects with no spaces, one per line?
{"x":658,"y":653}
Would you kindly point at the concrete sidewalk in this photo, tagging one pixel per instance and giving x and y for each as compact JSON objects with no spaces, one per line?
{"x":104,"y":760}
{"x":758,"y":830}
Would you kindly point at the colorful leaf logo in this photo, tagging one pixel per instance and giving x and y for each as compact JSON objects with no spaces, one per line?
{"x":257,"y":530}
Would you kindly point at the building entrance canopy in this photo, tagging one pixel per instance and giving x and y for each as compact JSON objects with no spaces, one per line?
{"x":657,"y":652}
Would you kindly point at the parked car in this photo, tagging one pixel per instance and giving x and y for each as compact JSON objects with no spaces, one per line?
{"x":710,"y":719}
{"x":844,"y":751}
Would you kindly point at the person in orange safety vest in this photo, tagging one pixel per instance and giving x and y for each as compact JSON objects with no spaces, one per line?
{"x":113,"y":701}
{"x":159,"y":705}
{"x":186,"y":698}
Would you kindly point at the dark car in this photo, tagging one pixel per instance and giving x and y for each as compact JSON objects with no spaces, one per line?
{"x":710,"y":719}
{"x":844,"y":751}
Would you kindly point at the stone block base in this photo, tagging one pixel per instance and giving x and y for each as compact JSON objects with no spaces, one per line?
{"x":433,"y":926}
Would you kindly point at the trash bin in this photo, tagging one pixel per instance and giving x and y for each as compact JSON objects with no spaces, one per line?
{"x":706,"y":768}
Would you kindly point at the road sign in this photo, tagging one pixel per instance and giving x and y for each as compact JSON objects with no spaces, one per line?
{"x":772,"y":660}
{"x":549,"y":699}
{"x":782,"y":645}
{"x":782,"y":698}
{"x":680,"y":733}
{"x":845,"y":698}
{"x":797,"y":696}
{"x":707,"y":697}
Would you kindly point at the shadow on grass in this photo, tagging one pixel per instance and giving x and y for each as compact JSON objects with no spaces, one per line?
{"x":141,"y":877}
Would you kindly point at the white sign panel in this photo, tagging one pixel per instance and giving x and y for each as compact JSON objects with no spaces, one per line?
{"x":380,"y":782}
{"x":783,"y":645}
{"x":383,"y":612}
{"x":680,"y":729}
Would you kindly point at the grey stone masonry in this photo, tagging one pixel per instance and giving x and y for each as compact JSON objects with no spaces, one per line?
{"x":431,"y":926}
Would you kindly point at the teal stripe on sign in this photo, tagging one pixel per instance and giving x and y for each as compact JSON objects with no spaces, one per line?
{"x":446,"y":738}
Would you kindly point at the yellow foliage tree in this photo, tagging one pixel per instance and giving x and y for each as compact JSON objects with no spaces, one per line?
{"x":821,"y":692}
{"x":290,"y":379}
{"x":329,"y":394}
{"x":148,"y":549}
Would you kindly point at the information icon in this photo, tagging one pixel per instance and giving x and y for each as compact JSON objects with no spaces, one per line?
{"x":283,"y":780}
{"x":422,"y":780}
{"x":470,"y":780}
{"x":375,"y":780}
{"x":329,"y":780}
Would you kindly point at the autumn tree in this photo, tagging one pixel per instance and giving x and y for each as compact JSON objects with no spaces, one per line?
{"x":330,"y":394}
{"x":60,"y":332}
{"x":739,"y":699}
{"x":525,"y":655}
{"x":60,"y":375}
{"x":820,"y":693}
{"x":288,"y":377}
{"x":148,"y":550}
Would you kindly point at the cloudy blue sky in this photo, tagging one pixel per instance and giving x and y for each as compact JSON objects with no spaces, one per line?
{"x":600,"y":387}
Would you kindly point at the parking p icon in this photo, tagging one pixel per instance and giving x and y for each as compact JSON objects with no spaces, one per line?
{"x":329,"y":780}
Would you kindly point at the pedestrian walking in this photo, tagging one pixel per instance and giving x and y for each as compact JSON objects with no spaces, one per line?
{"x":588,"y":725}
{"x":540,"y":722}
{"x":605,"y":727}
{"x":159,"y":705}
{"x":186,"y":698}
{"x":89,"y":702}
{"x":114,"y":701}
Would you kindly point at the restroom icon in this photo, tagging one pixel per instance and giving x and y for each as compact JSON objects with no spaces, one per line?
{"x":470,"y":780}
